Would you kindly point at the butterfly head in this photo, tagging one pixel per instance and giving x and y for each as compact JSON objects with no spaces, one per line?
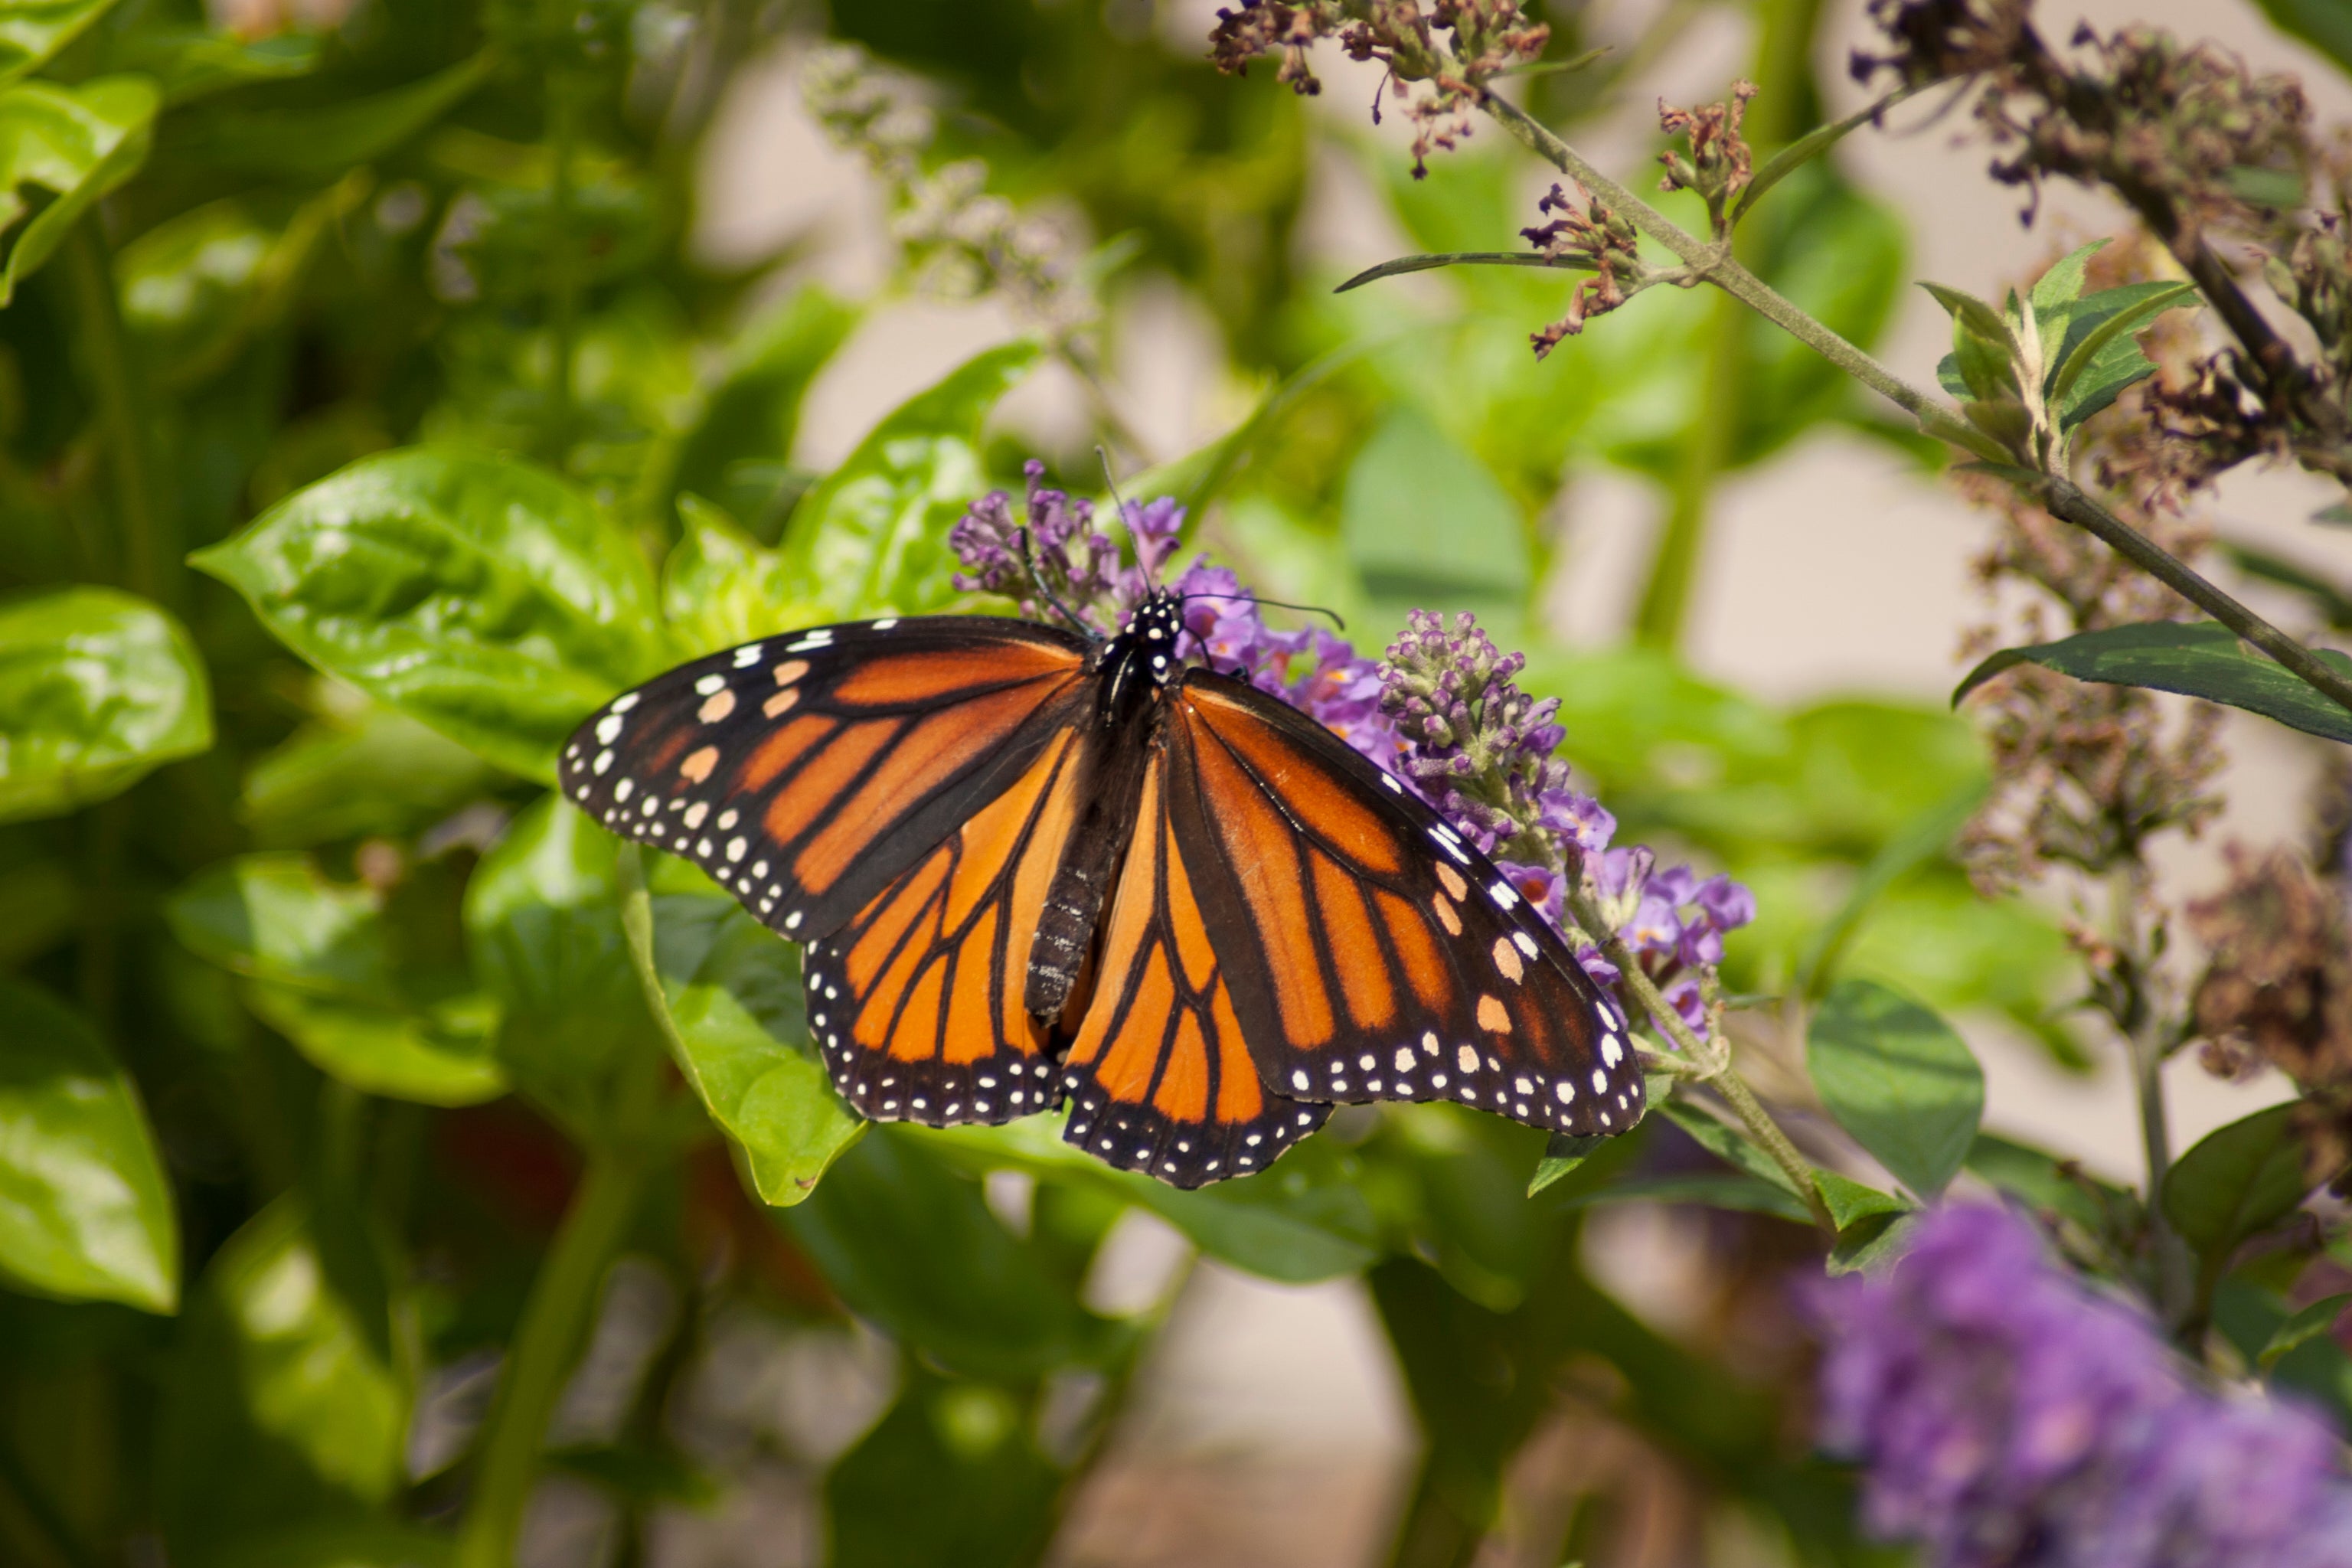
{"x":1151,"y":632}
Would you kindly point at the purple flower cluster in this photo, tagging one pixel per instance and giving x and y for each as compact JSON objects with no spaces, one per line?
{"x":1481,"y":750}
{"x":1077,"y":563}
{"x":2005,"y":1416}
{"x":1442,"y":712}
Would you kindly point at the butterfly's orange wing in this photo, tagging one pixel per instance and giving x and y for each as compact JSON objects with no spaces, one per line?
{"x":808,"y":771}
{"x":1159,"y":1077}
{"x":1370,"y":952}
{"x":917,"y":1000}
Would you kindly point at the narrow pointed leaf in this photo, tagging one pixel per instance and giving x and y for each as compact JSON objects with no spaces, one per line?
{"x":2196,"y":659}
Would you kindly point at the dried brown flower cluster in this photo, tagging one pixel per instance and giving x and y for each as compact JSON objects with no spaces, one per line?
{"x":1719,"y":165}
{"x":1482,"y":39}
{"x":2217,"y":161}
{"x":1601,"y":239}
{"x":2278,"y":989}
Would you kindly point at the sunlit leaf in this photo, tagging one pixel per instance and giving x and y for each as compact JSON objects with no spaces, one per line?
{"x":727,"y":992}
{"x":2196,"y":659}
{"x":31,"y":31}
{"x":61,"y":148}
{"x":1899,"y":1080}
{"x":475,"y":594}
{"x":84,"y":1213}
{"x":872,"y":539}
{"x":290,"y":1401}
{"x":97,"y":687}
{"x":379,"y":772}
{"x":721,"y":587}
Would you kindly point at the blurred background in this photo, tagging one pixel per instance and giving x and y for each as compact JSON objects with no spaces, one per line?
{"x":1749,"y":585}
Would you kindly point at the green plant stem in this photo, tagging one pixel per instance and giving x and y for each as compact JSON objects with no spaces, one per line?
{"x":1708,"y":1060}
{"x":555,"y":1324}
{"x":1714,"y":262}
{"x":151,"y":563}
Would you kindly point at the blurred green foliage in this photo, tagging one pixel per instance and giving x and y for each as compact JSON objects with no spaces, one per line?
{"x":368,"y":414}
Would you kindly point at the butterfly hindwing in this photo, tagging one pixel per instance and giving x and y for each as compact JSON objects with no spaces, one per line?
{"x":1370,"y":952}
{"x":1159,"y":1077}
{"x":917,"y":1000}
{"x":806,"y":771}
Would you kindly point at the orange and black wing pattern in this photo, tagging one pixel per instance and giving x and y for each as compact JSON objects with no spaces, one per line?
{"x":807,"y":771}
{"x":1370,"y":952}
{"x":916,"y":1001}
{"x":1159,"y":1077}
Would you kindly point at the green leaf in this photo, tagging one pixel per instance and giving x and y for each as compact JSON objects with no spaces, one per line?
{"x":188,"y":63}
{"x":2095,"y":370}
{"x":478,"y":594}
{"x":375,"y":772}
{"x":2053,"y":1187}
{"x":2305,"y":1326}
{"x":744,"y":432}
{"x":1304,"y":1220}
{"x":32,"y":31}
{"x":1973,"y":318}
{"x":1812,"y":145}
{"x":1732,"y":1148}
{"x":84,"y":1213}
{"x":72,"y":143}
{"x":2060,"y":288}
{"x":543,"y":924}
{"x":291,"y":1398}
{"x":1735,"y":1191}
{"x":2236,"y":1182}
{"x":1871,"y":1245}
{"x":323,"y":975}
{"x":2196,"y":659}
{"x":872,"y":539}
{"x":1405,"y":264}
{"x":1899,"y":1080}
{"x":1852,"y":1203}
{"x":2324,"y":25}
{"x":910,"y":1243}
{"x":721,"y":587}
{"x":1563,"y":1153}
{"x":97,"y":689}
{"x":324,"y":140}
{"x":2334,"y":605}
{"x":1406,"y":474}
{"x":727,"y":993}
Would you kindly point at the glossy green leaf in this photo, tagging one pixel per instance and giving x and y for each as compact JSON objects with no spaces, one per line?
{"x":872,"y":539}
{"x":475,"y":594}
{"x":735,"y":450}
{"x":1406,"y":476}
{"x":84,"y":1213}
{"x":543,"y":924}
{"x":31,"y":31}
{"x":2236,"y":1182}
{"x":373,"y":771}
{"x":322,"y":974}
{"x":1302,"y":1221}
{"x":909,"y":1243}
{"x":2312,"y":1322}
{"x":721,"y":587}
{"x":2196,"y":659}
{"x":290,"y":1399}
{"x":324,"y":140}
{"x":727,"y":993}
{"x":2324,"y":25}
{"x":97,"y":689}
{"x":61,"y":148}
{"x":968,"y":1451}
{"x":1899,"y":1080}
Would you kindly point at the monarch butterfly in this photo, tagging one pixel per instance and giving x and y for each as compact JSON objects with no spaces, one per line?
{"x":1033,"y":864}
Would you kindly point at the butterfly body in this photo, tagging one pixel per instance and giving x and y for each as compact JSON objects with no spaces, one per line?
{"x":1032,"y":866}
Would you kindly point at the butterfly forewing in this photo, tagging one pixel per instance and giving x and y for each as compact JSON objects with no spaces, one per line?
{"x":916,"y":1001}
{"x":1371,"y":954}
{"x":1159,"y":1077}
{"x":807,"y":771}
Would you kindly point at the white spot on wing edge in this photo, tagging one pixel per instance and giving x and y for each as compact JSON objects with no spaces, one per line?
{"x":625,"y":701}
{"x":709,"y":684}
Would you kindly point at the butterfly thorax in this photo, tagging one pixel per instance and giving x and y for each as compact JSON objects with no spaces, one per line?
{"x":1137,"y":667}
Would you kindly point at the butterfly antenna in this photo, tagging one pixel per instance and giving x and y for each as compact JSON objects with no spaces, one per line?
{"x":1110,"y":483}
{"x":1277,"y":604}
{"x":1037,"y":583}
